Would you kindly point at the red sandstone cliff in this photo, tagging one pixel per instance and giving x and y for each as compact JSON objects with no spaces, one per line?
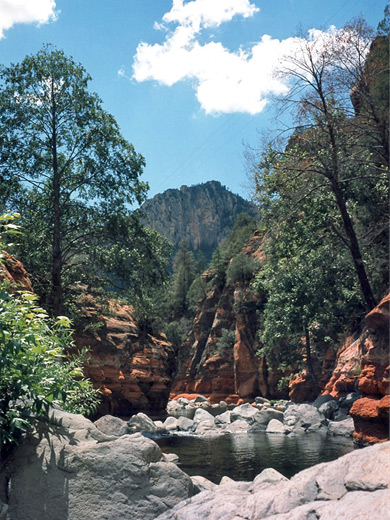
{"x":133,"y":371}
{"x":234,"y":373}
{"x":371,"y":412}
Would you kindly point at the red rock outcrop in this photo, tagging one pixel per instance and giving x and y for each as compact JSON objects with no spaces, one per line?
{"x":371,"y":412}
{"x":14,"y":272}
{"x":133,"y":371}
{"x":347,"y":369}
{"x":235,"y":373}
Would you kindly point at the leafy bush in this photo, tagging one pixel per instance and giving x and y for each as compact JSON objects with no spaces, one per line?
{"x":37,"y":370}
{"x":177,"y":331}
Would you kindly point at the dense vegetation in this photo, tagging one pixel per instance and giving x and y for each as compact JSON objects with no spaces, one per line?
{"x":37,"y":366}
{"x":189,"y":286}
{"x":325,"y":196}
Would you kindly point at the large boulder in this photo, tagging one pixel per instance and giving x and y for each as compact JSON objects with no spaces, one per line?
{"x":263,"y":417}
{"x":141,"y":423}
{"x":345,"y":427}
{"x":111,"y":425}
{"x":304,"y":417}
{"x":244,"y":412}
{"x":201,"y":416}
{"x":356,"y":486}
{"x":68,"y":469}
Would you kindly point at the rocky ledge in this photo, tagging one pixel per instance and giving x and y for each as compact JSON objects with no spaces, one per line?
{"x":69,"y":468}
{"x":353,"y":487}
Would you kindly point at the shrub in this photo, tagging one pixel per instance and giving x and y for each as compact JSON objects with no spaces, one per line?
{"x":225,"y":342}
{"x":37,"y":369}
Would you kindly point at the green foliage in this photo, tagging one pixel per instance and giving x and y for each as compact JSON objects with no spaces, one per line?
{"x":183,"y":276}
{"x":177,"y":331}
{"x":37,"y":369}
{"x":324,"y":206}
{"x":67,"y":169}
{"x":242,"y":268}
{"x":243,"y":230}
{"x":225,"y":342}
{"x":384,"y":24}
{"x":133,"y":265}
{"x":196,"y":292}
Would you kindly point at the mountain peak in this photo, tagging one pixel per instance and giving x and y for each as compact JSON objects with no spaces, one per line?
{"x":203,"y":214}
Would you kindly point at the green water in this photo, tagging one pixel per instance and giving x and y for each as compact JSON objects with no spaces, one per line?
{"x":243,"y":456}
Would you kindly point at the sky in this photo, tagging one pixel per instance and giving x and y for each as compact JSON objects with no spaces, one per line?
{"x":190,"y":82}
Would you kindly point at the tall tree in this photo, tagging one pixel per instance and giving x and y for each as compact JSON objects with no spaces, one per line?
{"x":183,"y":276}
{"x":67,"y":162}
{"x":321,"y":72}
{"x":324,"y":200}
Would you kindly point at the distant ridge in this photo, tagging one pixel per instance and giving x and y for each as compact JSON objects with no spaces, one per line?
{"x":203,"y":214}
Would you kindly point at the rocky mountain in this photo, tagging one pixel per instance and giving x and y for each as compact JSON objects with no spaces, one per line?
{"x":203,"y":214}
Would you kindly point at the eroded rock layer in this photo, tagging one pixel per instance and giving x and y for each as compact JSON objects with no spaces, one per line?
{"x":133,"y":370}
{"x":371,"y":412}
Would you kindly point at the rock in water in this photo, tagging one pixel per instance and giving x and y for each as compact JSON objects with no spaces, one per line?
{"x":353,"y":487}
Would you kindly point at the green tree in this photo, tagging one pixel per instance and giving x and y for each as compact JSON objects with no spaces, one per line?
{"x":183,"y":276}
{"x":242,"y":231}
{"x":321,"y":72}
{"x":70,"y":168}
{"x":311,"y":289}
{"x":242,"y":268}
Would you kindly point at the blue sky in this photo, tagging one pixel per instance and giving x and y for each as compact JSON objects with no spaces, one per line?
{"x":189,"y":81}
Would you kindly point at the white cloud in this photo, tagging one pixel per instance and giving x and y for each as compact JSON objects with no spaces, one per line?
{"x":208,"y":13}
{"x":25,"y":11}
{"x":225,"y":81}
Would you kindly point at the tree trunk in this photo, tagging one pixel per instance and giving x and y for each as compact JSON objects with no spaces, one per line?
{"x":56,"y":278}
{"x":354,"y":246}
{"x":353,"y":243}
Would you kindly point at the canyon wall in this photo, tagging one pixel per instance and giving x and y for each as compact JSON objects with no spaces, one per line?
{"x":233,"y":373}
{"x":133,"y":370}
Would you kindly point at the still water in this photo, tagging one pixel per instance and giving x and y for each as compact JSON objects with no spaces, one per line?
{"x":243,"y":456}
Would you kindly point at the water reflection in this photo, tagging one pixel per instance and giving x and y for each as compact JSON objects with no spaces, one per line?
{"x":243,"y":456}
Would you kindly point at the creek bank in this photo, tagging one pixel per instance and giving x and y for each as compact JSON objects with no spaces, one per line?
{"x":69,"y":469}
{"x":353,"y":487}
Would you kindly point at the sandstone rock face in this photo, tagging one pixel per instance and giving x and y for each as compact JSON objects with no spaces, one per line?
{"x":71,"y":471}
{"x":236,"y":373}
{"x":13,"y":271}
{"x":371,"y":412}
{"x":133,"y":372}
{"x":203,"y":214}
{"x":363,"y":365}
{"x":356,"y":486}
{"x":346,"y":370}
